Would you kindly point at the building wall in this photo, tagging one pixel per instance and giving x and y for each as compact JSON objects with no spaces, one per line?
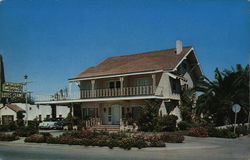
{"x":7,"y":111}
{"x":35,"y":110}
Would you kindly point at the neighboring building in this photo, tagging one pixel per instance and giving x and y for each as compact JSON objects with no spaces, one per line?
{"x":8,"y":113}
{"x":120,"y":85}
{"x":40,"y":112}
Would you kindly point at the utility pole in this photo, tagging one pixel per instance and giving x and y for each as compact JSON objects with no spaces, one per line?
{"x":26,"y":99}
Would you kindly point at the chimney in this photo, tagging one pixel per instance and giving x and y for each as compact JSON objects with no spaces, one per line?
{"x":178,"y":46}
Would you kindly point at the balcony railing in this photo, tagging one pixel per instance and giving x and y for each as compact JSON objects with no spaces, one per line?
{"x":117,"y":92}
{"x":100,"y":93}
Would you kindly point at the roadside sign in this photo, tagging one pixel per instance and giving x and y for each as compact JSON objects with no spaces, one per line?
{"x":236,"y":108}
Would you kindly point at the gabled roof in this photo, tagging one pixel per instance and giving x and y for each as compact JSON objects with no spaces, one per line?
{"x":142,"y":62}
{"x":15,"y":108}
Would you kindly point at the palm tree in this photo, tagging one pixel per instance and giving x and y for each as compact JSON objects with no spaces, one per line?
{"x":217,"y":97}
{"x":188,"y":98}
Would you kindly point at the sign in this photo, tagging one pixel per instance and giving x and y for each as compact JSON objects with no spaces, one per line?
{"x":12,"y":90}
{"x":13,"y":87}
{"x":236,"y":108}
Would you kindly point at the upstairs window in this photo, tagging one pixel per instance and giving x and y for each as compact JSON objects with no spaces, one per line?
{"x":142,"y":82}
{"x":114,"y":84}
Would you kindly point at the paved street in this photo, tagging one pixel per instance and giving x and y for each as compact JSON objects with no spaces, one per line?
{"x":192,"y":149}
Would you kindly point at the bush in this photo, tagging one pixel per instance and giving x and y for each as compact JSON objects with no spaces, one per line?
{"x":126,"y":143}
{"x":183,"y":125}
{"x":8,"y":137}
{"x":172,"y":138}
{"x":167,"y":123}
{"x":4,"y":128}
{"x":198,"y":132}
{"x":26,"y":131}
{"x":106,"y":139}
{"x":227,"y":132}
{"x":8,"y":127}
{"x":37,"y":138}
{"x":240,"y":130}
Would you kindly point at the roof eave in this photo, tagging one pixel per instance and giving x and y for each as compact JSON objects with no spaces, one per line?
{"x":115,"y":75}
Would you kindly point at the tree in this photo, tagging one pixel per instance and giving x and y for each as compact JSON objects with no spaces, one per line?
{"x":149,"y":114}
{"x":188,"y":98}
{"x":218,"y":96}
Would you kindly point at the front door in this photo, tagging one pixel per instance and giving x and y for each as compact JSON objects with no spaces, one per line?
{"x":115,"y":114}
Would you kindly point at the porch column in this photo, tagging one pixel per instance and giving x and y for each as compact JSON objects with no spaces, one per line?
{"x":121,"y":80}
{"x":53,"y":110}
{"x":92,"y":88}
{"x":69,"y":95}
{"x":154,"y":82}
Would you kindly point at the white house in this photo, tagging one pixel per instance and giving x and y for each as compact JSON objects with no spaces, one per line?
{"x":8,"y":113}
{"x":40,"y":112}
{"x":120,"y":85}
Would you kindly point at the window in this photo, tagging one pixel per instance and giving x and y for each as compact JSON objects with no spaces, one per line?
{"x":118,"y":84}
{"x":136,"y":113}
{"x":114,"y":84}
{"x":7,"y":119}
{"x":109,"y":111}
{"x":142,"y":82}
{"x":89,"y":112}
{"x":111,"y":85}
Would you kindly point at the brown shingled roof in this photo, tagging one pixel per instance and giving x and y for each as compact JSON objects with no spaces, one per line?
{"x":15,"y":108}
{"x":149,"y":61}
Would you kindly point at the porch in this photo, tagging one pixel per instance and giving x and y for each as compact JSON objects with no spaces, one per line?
{"x":109,"y":116}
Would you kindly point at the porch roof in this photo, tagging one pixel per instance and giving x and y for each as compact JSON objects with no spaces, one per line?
{"x":101,"y":99}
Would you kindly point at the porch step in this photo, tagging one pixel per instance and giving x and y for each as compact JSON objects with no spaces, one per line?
{"x":108,"y":128}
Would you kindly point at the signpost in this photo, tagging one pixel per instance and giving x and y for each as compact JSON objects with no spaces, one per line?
{"x":236,"y":108}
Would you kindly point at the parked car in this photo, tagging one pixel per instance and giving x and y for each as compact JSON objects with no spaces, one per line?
{"x":49,"y":124}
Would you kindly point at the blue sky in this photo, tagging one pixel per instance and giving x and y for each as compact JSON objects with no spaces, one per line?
{"x":53,"y":40}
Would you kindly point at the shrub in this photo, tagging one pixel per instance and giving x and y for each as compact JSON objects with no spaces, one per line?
{"x":154,"y":141}
{"x":4,"y":128}
{"x":240,"y":130}
{"x":126,"y":143}
{"x":8,"y":127}
{"x":172,"y":138}
{"x":37,"y":138}
{"x":183,"y":125}
{"x":8,"y":137}
{"x":139,"y":142}
{"x":157,"y":143}
{"x":26,"y":131}
{"x":167,"y":123}
{"x":198,"y":132}
{"x":149,"y":114}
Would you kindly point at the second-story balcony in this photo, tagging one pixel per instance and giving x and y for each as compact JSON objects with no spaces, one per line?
{"x":99,"y":93}
{"x":117,"y":92}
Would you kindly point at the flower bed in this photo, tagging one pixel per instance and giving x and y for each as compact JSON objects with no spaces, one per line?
{"x":88,"y":138}
{"x":198,"y":132}
{"x":8,"y":137}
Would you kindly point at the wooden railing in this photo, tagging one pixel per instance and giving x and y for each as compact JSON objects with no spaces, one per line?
{"x":99,"y":93}
{"x":116,"y":92}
